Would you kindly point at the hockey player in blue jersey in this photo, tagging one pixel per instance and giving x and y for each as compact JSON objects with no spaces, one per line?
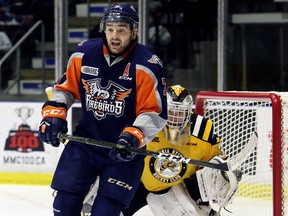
{"x":122,"y":90}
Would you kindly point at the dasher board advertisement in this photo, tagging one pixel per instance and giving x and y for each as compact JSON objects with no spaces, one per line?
{"x":21,"y":150}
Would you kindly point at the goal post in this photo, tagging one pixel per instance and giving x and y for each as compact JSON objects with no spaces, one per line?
{"x":264,"y":186}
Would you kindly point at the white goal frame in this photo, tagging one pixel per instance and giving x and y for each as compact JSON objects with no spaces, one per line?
{"x":279,"y":105}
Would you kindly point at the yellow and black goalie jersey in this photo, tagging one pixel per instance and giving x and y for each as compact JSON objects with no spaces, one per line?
{"x":198,"y":142}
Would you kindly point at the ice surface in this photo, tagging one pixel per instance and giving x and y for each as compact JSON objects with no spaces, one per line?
{"x":26,"y":200}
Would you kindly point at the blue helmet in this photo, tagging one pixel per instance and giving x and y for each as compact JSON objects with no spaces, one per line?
{"x":120,"y":13}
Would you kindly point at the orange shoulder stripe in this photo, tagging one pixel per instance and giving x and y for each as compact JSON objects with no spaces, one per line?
{"x":73,"y":72}
{"x":148,"y":99}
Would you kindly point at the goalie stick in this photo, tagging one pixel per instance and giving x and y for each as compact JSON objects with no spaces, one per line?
{"x":237,"y":160}
{"x":221,"y":166}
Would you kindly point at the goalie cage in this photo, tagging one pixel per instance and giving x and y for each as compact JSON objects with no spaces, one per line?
{"x":264,"y":186}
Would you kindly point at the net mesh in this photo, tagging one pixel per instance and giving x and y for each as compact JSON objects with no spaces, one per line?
{"x":235,"y":119}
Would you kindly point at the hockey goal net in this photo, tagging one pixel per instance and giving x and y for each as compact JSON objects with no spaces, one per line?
{"x":264,"y":186}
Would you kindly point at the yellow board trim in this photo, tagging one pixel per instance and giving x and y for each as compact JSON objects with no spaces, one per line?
{"x":26,"y":178}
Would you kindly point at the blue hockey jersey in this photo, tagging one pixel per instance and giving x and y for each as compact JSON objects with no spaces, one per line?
{"x":115,"y":92}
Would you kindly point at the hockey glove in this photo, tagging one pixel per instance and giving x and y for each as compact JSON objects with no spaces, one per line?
{"x":218,"y":186}
{"x":54,"y":121}
{"x":130,"y":137}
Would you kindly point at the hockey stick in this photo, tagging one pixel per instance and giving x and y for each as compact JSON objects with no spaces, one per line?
{"x":241,"y":157}
{"x":229,"y":165}
{"x":109,"y":145}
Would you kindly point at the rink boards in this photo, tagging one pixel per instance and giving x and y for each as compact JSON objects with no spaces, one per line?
{"x":24,"y":158}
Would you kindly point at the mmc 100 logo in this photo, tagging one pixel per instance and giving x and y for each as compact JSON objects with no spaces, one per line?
{"x":24,"y":139}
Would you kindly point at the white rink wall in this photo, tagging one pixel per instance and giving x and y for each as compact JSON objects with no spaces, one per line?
{"x":24,"y":158}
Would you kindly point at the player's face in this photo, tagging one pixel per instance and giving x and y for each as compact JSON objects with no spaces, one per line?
{"x":119,"y":36}
{"x":176,"y":117}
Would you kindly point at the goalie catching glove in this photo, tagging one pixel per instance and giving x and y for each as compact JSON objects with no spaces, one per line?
{"x":216,"y":185}
{"x":54,"y":121}
{"x":130,"y":137}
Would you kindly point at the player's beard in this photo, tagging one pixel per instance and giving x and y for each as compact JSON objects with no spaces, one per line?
{"x":125,"y":48}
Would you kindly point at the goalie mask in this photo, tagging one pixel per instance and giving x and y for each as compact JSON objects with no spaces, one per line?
{"x":179,"y":108}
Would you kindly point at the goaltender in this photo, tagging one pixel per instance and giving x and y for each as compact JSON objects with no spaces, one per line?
{"x":172,"y":188}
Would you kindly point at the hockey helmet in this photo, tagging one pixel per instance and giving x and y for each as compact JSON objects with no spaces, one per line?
{"x":120,"y":13}
{"x":179,"y":108}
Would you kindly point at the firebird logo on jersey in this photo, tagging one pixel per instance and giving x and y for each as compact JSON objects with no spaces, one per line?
{"x":108,"y":100}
